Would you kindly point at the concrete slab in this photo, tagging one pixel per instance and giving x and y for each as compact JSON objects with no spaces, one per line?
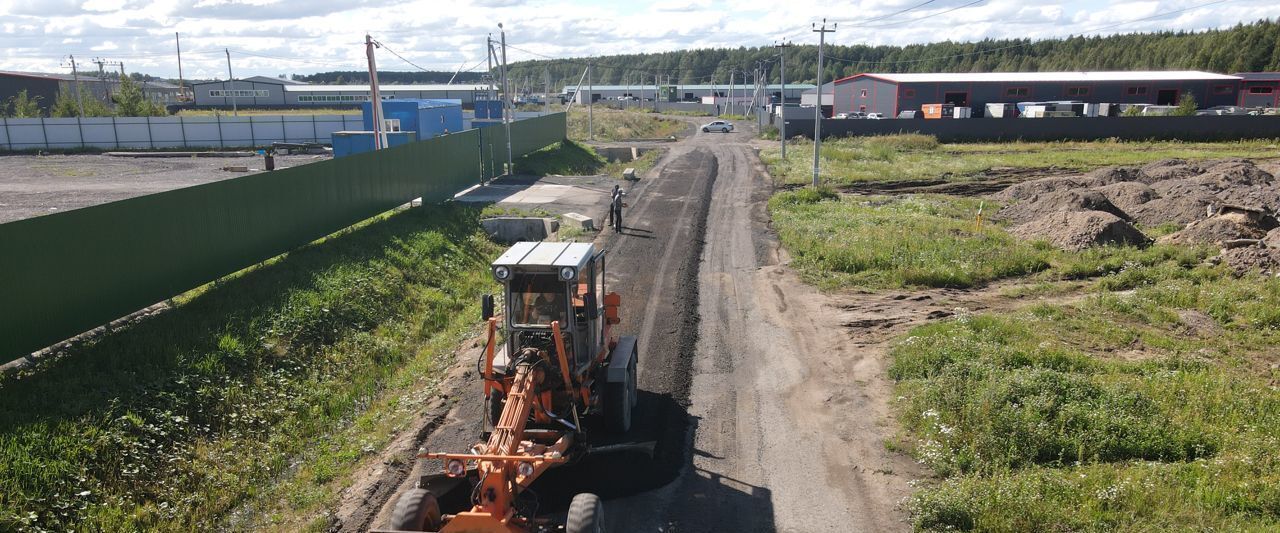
{"x":588,"y":196}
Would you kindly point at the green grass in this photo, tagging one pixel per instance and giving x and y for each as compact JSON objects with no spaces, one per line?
{"x":256,"y":395}
{"x":614,"y":125}
{"x":247,"y":112}
{"x":878,"y":242}
{"x":918,"y":157}
{"x":1107,"y":415}
{"x":571,"y":158}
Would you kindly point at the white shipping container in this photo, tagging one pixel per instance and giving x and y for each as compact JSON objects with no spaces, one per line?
{"x":962,"y":112}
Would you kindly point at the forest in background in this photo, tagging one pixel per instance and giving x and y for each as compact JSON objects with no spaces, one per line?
{"x":1251,"y":47}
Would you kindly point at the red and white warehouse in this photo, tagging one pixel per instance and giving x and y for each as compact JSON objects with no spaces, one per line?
{"x":890,"y":93}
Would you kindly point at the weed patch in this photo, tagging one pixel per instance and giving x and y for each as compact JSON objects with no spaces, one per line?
{"x":920,"y":157}
{"x":1037,"y":425}
{"x":176,"y":421}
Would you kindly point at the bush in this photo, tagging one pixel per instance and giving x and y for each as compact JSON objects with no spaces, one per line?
{"x":807,"y":195}
{"x":904,"y":142}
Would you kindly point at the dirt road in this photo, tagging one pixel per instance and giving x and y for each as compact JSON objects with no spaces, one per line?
{"x":767,"y":416}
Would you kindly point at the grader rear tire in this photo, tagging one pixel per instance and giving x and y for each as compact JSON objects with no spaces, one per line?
{"x":586,"y":514}
{"x":416,"y":510}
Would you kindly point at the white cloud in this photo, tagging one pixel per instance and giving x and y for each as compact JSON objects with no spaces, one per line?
{"x":270,"y":37}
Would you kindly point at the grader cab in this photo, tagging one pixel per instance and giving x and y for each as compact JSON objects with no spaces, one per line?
{"x":553,"y":375}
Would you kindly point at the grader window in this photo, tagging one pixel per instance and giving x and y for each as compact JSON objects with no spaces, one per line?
{"x":537,"y":300}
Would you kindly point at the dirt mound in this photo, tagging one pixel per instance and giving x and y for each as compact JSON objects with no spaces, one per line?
{"x":1110,"y":175}
{"x":1235,"y":172}
{"x":1077,"y":230}
{"x":1037,"y":206}
{"x":1127,"y":195}
{"x":1253,"y":260}
{"x":1033,"y":188}
{"x":1168,"y":169}
{"x":1272,"y":240}
{"x":1216,"y":231}
{"x":1178,"y":208}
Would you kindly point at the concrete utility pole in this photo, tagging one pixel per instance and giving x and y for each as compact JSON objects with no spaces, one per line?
{"x":75,"y":76}
{"x":655,"y":93}
{"x":731,"y":91}
{"x":506,"y":99}
{"x":782,"y":100}
{"x":591,"y":101}
{"x":182,"y":86}
{"x":231,"y":83}
{"x":375,"y":96}
{"x":546,"y":92}
{"x":817,"y":109}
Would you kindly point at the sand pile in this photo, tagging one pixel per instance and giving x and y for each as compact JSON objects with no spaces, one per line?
{"x":1077,"y":230}
{"x":1218,"y":201}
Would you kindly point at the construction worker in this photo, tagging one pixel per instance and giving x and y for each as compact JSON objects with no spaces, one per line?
{"x":615,"y":209}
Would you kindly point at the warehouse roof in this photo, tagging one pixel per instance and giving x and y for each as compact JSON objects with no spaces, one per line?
{"x":1259,"y":76}
{"x":1025,"y":77}
{"x":342,"y":88}
{"x":701,"y":87}
{"x":84,"y":78}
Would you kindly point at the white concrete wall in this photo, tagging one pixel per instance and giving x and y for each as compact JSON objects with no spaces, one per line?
{"x":170,"y":132}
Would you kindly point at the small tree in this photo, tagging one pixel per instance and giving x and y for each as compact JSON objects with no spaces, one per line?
{"x":130,"y":102}
{"x":1132,"y":111}
{"x":25,"y":106}
{"x":66,"y":106}
{"x":1186,"y":106}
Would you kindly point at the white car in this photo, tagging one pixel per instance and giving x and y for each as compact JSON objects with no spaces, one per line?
{"x":874,"y":116}
{"x":718,"y":125}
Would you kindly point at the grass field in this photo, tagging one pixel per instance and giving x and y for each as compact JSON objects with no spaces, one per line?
{"x":247,"y":112}
{"x":570,"y":158}
{"x":1141,"y":396}
{"x":1149,"y":410}
{"x":920,"y":157}
{"x":614,"y":125}
{"x":250,"y":401}
{"x":875,"y":242}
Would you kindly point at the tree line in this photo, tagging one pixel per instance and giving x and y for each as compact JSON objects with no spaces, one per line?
{"x":127,"y":100}
{"x":1253,"y":47}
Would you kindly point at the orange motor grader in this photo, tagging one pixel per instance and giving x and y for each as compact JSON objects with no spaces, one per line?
{"x":552,"y":375}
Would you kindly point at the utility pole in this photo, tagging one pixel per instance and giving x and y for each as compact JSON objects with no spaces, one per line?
{"x":731,"y":72}
{"x":655,"y":93}
{"x":817,"y":109}
{"x":546,"y":92}
{"x":506,"y":99}
{"x":75,"y":76}
{"x":182,"y":86}
{"x":782,"y":100}
{"x":375,"y":96}
{"x":231,"y":84}
{"x":591,"y":101}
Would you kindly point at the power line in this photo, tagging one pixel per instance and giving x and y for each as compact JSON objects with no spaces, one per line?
{"x":901,"y":22}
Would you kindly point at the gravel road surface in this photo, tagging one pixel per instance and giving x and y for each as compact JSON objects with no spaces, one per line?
{"x":766,"y":414}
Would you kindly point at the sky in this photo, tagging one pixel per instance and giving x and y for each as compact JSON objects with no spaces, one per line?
{"x":273,"y":37}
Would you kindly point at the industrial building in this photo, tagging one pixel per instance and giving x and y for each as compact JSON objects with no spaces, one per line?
{"x":44,"y":87}
{"x":889,"y":94}
{"x":260,"y":91}
{"x":681,"y":93}
{"x":1259,"y":89}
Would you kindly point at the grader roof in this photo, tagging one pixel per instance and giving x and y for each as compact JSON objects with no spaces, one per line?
{"x":548,"y":254}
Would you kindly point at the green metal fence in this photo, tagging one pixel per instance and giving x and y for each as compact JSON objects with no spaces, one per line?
{"x":66,"y":273}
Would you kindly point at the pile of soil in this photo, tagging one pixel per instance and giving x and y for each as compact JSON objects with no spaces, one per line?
{"x":1163,"y":192}
{"x":1038,"y":205}
{"x":1077,"y":230}
{"x":1253,"y":260}
{"x":1217,"y":231}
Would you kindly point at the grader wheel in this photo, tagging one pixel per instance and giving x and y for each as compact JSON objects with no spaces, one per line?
{"x":586,"y":514}
{"x":416,"y":510}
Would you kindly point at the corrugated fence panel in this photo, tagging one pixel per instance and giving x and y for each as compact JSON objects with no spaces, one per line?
{"x":66,"y":273}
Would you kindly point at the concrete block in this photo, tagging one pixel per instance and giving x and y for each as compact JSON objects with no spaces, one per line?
{"x":516,"y":229}
{"x":629,"y":174}
{"x":580,"y":221}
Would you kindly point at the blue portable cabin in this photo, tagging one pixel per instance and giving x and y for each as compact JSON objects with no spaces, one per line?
{"x":346,"y":143}
{"x":428,"y":118}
